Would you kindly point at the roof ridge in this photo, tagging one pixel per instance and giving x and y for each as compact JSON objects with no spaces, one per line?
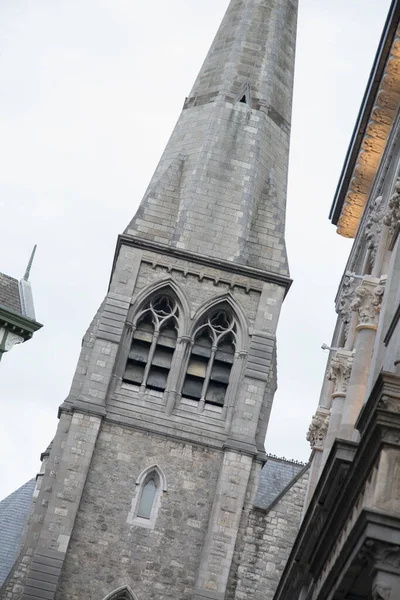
{"x":287,"y":460}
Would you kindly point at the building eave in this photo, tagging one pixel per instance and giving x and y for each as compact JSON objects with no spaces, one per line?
{"x":18,"y":323}
{"x":377,"y":113}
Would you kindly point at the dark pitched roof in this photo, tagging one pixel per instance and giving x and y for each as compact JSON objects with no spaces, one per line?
{"x":14,"y":511}
{"x":9,"y":293}
{"x":275,"y":476}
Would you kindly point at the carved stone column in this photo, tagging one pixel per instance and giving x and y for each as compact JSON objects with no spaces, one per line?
{"x":316,"y":436}
{"x":318,"y":428}
{"x":367,"y":302}
{"x":339,"y":373}
{"x":349,"y":317}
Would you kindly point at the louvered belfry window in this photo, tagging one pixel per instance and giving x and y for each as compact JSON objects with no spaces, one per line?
{"x":153,"y":344}
{"x":211,"y":359}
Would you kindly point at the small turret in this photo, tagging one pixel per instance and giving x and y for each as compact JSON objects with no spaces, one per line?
{"x":17,"y":313}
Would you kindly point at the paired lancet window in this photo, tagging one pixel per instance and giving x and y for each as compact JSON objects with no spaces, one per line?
{"x":205,"y":360}
{"x":211,"y":359}
{"x":153,"y":344}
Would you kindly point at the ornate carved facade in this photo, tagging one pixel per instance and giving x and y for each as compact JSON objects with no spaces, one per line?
{"x":348,"y":545}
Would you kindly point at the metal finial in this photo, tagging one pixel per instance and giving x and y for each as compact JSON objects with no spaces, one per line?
{"x":28,"y":268}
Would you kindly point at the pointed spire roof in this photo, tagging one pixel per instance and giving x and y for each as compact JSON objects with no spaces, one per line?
{"x":29,"y":266}
{"x":219,"y":189}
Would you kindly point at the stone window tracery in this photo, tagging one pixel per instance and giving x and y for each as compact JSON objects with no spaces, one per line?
{"x":211,"y":359}
{"x":153,"y":343}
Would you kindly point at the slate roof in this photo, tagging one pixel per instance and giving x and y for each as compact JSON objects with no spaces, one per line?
{"x":9,"y":293}
{"x":275,"y":476}
{"x":13,"y":514}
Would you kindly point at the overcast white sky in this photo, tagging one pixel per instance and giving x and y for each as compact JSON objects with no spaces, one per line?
{"x":89,"y":93}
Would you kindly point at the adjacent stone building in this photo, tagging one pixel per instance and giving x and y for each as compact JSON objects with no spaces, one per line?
{"x":151,"y":487}
{"x":349,"y":542}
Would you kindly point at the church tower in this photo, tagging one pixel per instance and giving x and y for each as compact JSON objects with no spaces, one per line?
{"x":155,"y":462}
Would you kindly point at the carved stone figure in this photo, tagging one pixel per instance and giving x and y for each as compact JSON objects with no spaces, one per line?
{"x":373,"y":226}
{"x":345,"y":301}
{"x":392,"y":216}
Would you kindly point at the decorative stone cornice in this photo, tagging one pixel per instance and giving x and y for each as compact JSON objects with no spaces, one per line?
{"x":375,"y":137}
{"x":317,"y":431}
{"x":392,"y":216}
{"x":373,"y":226}
{"x":340,"y":370}
{"x":368,"y":299}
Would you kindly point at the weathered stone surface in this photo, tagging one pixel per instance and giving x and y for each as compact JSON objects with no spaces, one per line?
{"x":155,"y":563}
{"x":267,"y":538}
{"x":209,"y":232}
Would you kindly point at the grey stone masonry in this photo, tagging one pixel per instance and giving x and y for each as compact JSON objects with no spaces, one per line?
{"x":209,"y":238}
{"x":106,"y":551}
{"x":267,"y":540}
{"x":220,"y":187}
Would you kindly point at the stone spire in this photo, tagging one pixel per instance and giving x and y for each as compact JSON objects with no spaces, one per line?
{"x":220,"y":187}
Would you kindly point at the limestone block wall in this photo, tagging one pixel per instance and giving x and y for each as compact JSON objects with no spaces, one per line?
{"x":266,"y":541}
{"x":156,"y":563}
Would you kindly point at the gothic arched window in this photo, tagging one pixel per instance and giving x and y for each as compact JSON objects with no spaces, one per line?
{"x":123,"y":593}
{"x":147,"y":497}
{"x":211,"y":359}
{"x":153,"y":343}
{"x":151,"y":484}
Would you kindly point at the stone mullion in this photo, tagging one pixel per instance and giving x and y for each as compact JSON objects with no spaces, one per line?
{"x":177,"y":373}
{"x":121,"y":358}
{"x":236,"y":372}
{"x":207,"y":378}
{"x":149,"y":361}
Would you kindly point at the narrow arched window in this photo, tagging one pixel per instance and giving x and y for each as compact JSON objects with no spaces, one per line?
{"x":122,"y":593}
{"x":151,"y":484}
{"x":147,"y":498}
{"x":211,"y":359}
{"x":153,"y":343}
